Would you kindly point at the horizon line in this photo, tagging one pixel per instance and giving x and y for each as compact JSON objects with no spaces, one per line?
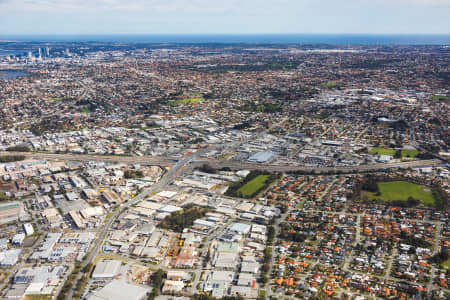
{"x":210,"y":34}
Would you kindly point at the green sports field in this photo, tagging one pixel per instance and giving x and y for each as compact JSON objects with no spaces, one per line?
{"x":186,"y":101}
{"x":402,"y":190}
{"x":253,"y":185}
{"x":382,"y":151}
{"x":446,"y":264}
{"x":439,"y":97}
{"x":56,"y":99}
{"x":391,"y":152}
{"x":330,"y":84}
{"x":410,"y":153}
{"x":85,"y":110}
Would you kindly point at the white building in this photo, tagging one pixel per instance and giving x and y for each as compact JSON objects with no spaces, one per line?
{"x":28,"y":227}
{"x":119,"y":290}
{"x":9,"y":258}
{"x":106,"y":270}
{"x":18,"y":238}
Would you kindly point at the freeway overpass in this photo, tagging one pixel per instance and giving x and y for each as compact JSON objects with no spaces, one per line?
{"x":234,"y":165}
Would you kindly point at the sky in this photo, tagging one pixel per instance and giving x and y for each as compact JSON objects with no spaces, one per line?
{"x":60,"y":17}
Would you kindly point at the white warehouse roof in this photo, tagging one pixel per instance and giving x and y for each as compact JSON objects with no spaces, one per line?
{"x":119,"y":290}
{"x":106,"y":269}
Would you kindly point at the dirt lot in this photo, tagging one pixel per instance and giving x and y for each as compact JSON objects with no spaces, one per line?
{"x":139,"y":274}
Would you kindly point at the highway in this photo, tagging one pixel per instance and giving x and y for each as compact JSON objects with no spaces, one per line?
{"x":215,"y":163}
{"x":292,"y":168}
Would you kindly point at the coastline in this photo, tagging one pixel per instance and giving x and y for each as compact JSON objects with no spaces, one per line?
{"x":330,"y":39}
{"x":5,"y":73}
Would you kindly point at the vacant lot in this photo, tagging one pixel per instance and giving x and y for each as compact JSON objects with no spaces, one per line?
{"x":253,"y":185}
{"x":402,"y":190}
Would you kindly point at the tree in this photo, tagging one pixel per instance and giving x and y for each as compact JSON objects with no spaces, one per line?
{"x":207,"y":258}
{"x":207,"y":169}
{"x":270,"y":234}
{"x":179,"y":220}
{"x":19,"y":148}
{"x":203,"y":297}
{"x":129,"y":174}
{"x":11,"y":158}
{"x":3,"y":197}
{"x":440,"y":257}
{"x":157,"y":281}
{"x":264,"y":279}
{"x":370,"y":184}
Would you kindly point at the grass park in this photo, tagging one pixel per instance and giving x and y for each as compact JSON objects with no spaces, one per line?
{"x":382,"y":151}
{"x":402,"y":190}
{"x":186,"y":101}
{"x":439,"y":97}
{"x":410,"y":153}
{"x":56,"y":99}
{"x":391,"y":152}
{"x":330,"y":84}
{"x":252,"y":184}
{"x":85,"y":110}
{"x":446,"y":264}
{"x":251,"y":187}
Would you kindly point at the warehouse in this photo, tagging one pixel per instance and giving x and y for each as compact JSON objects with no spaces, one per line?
{"x":106,"y":269}
{"x":240,"y":228}
{"x":119,"y":290}
{"x":262,"y":157}
{"x":28,"y":228}
{"x":18,"y":239}
{"x":9,"y":258}
{"x":9,"y":212}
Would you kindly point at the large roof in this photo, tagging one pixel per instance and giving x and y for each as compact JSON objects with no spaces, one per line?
{"x":119,"y":290}
{"x":262,"y":157}
{"x":106,"y":269}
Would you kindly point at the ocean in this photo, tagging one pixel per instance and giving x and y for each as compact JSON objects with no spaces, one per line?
{"x":335,"y":39}
{"x":5,"y":74}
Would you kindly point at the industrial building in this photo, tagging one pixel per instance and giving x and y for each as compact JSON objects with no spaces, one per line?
{"x":106,"y":269}
{"x":262,"y":157}
{"x":119,"y":290}
{"x":10,"y":212}
{"x":9,"y":258}
{"x":28,"y":228}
